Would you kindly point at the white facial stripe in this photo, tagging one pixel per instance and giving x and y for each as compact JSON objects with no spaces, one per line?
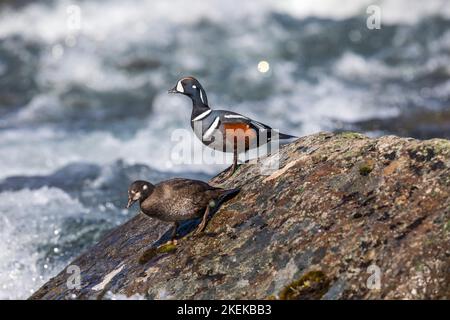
{"x":180,"y":87}
{"x":202,"y":115}
{"x":211,"y":129}
{"x":235,"y":116}
{"x":201,"y":96}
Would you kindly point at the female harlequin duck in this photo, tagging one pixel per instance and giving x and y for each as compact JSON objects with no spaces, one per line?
{"x":177,"y":200}
{"x":223,"y":130}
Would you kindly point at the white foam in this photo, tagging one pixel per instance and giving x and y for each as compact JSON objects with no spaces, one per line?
{"x":107,"y":22}
{"x":103,"y":22}
{"x":355,"y":67}
{"x":302,"y":107}
{"x":44,"y":150}
{"x":29,"y":220}
{"x":398,"y":11}
{"x":42,"y":106}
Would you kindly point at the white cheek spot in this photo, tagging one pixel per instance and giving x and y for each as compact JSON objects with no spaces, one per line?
{"x":180,"y":87}
{"x":194,"y":86}
{"x":145,"y":187}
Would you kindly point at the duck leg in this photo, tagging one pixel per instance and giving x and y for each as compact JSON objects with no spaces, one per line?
{"x":174,"y":232}
{"x":202,"y":224}
{"x":233,"y":167}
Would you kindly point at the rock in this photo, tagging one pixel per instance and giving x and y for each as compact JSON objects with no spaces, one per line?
{"x":345,"y":217}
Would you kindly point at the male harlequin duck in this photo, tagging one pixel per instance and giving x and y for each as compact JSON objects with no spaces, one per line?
{"x":177,"y":200}
{"x":222,"y":130}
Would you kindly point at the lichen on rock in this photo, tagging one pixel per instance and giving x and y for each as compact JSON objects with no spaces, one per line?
{"x":312,"y":285}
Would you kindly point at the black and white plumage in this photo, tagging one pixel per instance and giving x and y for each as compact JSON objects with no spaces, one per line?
{"x":177,"y":200}
{"x":223,"y":130}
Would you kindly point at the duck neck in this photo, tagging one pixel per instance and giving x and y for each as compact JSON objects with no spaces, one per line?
{"x":198,"y":107}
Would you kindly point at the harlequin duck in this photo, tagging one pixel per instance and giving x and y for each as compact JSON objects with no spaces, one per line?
{"x":177,"y":199}
{"x":223,"y":130}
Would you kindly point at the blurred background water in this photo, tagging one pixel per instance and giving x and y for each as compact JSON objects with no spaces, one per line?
{"x":85,"y":111}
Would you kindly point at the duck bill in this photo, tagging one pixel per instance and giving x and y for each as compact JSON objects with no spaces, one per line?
{"x":173,"y":90}
{"x":130,"y":202}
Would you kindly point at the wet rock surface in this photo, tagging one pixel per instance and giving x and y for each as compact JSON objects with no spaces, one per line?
{"x":340,"y":208}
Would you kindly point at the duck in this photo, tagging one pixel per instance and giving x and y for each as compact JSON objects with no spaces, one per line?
{"x":224,"y":130}
{"x":176,"y":200}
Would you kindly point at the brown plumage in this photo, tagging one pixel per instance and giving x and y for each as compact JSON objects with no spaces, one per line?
{"x":176,"y":200}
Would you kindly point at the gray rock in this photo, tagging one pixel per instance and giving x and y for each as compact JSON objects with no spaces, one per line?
{"x":340,"y":208}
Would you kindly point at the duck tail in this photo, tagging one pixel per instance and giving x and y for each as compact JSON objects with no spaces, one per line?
{"x":229,"y":193}
{"x":286,"y":136}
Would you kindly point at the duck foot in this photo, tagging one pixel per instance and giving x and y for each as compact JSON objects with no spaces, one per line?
{"x":170,"y":242}
{"x":202,"y":224}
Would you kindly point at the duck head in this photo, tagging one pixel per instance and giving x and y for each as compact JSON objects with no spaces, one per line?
{"x":191,"y":87}
{"x":139,"y":190}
